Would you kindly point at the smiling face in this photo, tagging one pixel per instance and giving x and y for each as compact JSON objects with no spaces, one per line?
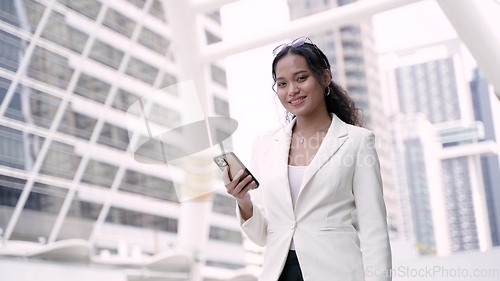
{"x":297,"y":87}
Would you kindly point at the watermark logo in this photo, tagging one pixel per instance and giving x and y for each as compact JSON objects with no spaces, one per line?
{"x":170,"y":127}
{"x":435,"y":271}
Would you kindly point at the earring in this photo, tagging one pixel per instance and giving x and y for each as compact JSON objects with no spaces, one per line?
{"x":327,"y":91}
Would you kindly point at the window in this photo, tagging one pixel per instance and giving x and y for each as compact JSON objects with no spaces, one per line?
{"x":123,"y":100}
{"x":169,"y":81}
{"x":113,"y":136}
{"x":350,"y":30}
{"x":15,"y":108}
{"x":224,"y":205}
{"x":138,"y":3}
{"x":353,"y":59}
{"x":221,"y":106}
{"x":64,"y":35}
{"x":153,"y":41}
{"x":46,"y":198}
{"x":49,"y":67}
{"x":138,"y":183}
{"x":157,"y":11}
{"x":11,"y":149}
{"x":82,"y":209}
{"x":43,"y":108}
{"x":356,"y":75}
{"x":164,"y":116}
{"x":10,"y":190}
{"x":119,"y":23}
{"x":34,"y":11}
{"x":4,"y":86}
{"x":156,"y":151}
{"x":218,"y":75}
{"x":60,"y":161}
{"x":142,"y":71}
{"x":221,"y":234}
{"x":106,"y":54}
{"x":99,"y":173}
{"x":76,"y":124}
{"x":80,"y":220}
{"x":10,"y":51}
{"x":8,"y":13}
{"x":351,"y":45}
{"x":357,"y":90}
{"x":215,"y":15}
{"x":92,"y":88}
{"x":88,"y":8}
{"x":345,"y":2}
{"x":212,"y":38}
{"x":141,"y":220}
{"x":40,"y":212}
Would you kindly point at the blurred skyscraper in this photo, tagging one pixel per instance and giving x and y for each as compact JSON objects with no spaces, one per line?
{"x":69,"y":70}
{"x":436,"y":145}
{"x":354,"y":60}
{"x":485,"y":102}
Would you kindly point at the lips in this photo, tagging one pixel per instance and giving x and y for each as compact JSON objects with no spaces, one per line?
{"x":297,"y":101}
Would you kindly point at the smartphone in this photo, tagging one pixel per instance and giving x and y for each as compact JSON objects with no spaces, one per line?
{"x":235,"y":165}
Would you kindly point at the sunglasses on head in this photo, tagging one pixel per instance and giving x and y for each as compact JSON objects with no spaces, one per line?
{"x":294,"y":44}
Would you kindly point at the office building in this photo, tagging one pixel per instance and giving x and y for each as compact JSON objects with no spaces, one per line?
{"x":415,"y":148}
{"x":441,"y":193}
{"x":484,"y":101}
{"x":69,"y":71}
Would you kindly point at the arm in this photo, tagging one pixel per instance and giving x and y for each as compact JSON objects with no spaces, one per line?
{"x":249,"y":210}
{"x":255,"y":226}
{"x":368,"y":196}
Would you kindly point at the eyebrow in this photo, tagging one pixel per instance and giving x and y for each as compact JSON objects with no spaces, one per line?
{"x":294,"y":74}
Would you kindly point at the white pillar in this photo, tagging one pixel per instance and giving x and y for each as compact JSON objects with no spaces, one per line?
{"x":478,"y":34}
{"x":207,"y":6}
{"x":193,"y":228}
{"x":328,"y":19}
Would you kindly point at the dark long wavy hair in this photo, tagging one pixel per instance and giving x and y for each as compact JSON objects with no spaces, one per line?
{"x":338,"y":102}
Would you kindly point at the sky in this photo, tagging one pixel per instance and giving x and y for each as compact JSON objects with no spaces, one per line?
{"x":253,"y":103}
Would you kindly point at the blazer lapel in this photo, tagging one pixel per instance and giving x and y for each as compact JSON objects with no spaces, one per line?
{"x":281,"y":148}
{"x":334,"y":139}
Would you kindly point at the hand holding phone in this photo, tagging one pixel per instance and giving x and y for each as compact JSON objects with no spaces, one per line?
{"x":234,"y":165}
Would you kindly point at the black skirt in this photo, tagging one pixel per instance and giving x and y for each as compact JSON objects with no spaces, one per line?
{"x":291,"y":271}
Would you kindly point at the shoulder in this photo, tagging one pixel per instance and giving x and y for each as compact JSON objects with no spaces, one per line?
{"x":360,"y":138}
{"x":358,"y":132}
{"x":353,"y":132}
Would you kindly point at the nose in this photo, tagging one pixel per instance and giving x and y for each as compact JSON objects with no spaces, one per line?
{"x":293,"y":89}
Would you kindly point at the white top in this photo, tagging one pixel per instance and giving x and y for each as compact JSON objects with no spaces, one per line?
{"x":295,"y":175}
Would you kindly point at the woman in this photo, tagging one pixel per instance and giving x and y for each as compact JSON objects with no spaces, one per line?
{"x":318,"y":175}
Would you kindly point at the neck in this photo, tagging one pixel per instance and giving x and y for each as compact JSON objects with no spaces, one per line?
{"x":309,"y":124}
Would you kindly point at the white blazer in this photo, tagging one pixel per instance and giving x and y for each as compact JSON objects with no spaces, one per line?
{"x":343,"y":177}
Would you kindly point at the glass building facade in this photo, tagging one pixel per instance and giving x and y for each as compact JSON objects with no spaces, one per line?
{"x":490,"y":164}
{"x":446,"y":193}
{"x":69,"y":71}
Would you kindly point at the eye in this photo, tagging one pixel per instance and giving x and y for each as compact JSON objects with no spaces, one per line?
{"x":280,"y":84}
{"x":301,"y":78}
